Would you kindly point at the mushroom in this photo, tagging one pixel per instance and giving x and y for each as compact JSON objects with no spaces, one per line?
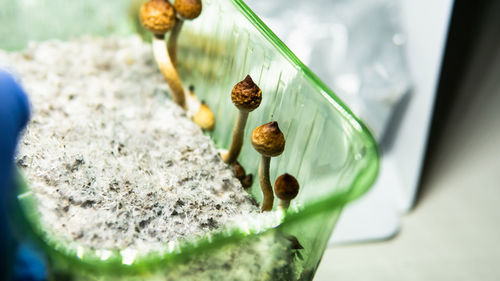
{"x":158,"y":16}
{"x":186,"y":10}
{"x":269,"y":141}
{"x":245,"y":180}
{"x":204,"y":117}
{"x":246,"y":96}
{"x":286,"y":187}
{"x":202,"y":114}
{"x":239,"y":171}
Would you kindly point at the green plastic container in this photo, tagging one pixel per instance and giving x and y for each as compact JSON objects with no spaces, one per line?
{"x":328,"y":149}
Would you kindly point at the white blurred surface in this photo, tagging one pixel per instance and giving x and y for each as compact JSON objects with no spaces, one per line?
{"x":453,"y":234}
{"x":376,"y":216}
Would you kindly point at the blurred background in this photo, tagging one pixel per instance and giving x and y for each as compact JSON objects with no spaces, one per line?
{"x":424,"y":76}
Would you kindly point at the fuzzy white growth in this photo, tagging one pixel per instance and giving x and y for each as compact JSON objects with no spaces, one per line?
{"x":111,"y":160}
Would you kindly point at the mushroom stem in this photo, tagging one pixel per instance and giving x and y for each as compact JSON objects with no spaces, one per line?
{"x":172,"y":41}
{"x":284,"y":204}
{"x":168,"y":70}
{"x":265,"y":183}
{"x":238,"y":131}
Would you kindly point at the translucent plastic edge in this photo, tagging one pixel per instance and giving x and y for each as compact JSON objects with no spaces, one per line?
{"x":368,"y":174}
{"x":93,"y":260}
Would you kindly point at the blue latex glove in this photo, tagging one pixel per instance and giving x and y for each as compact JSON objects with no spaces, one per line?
{"x":19,"y":263}
{"x":14,"y":114}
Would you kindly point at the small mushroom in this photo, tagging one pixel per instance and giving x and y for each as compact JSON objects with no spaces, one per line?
{"x":269,"y":141}
{"x":158,"y":16}
{"x":239,"y":171}
{"x":204,"y":117}
{"x":186,"y":10}
{"x":246,"y":96}
{"x":202,"y":114}
{"x":286,"y":187}
{"x":245,"y":180}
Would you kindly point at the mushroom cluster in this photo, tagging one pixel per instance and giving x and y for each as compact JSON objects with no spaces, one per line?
{"x":269,"y":141}
{"x":160,"y":17}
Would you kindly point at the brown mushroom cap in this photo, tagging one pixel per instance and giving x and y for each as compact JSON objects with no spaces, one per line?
{"x":286,"y":187}
{"x":188,"y":9}
{"x":268,"y":139}
{"x":157,"y":16}
{"x":246,"y":95}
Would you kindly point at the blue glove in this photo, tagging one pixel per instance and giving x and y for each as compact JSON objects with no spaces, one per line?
{"x":14,"y":114}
